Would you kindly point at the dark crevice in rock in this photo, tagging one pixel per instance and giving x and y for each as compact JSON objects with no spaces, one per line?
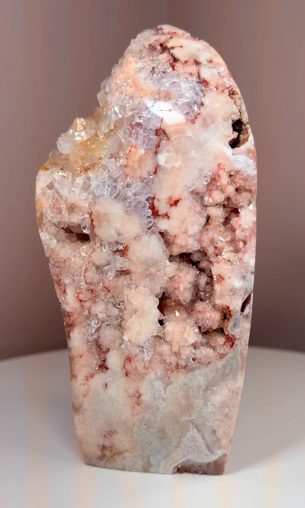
{"x":175,"y":59}
{"x":233,"y":212}
{"x":210,"y":468}
{"x":163,"y":48}
{"x":245,"y":303}
{"x":184,"y":257}
{"x":82,"y":237}
{"x":241,"y":125}
{"x":161,"y":305}
{"x":237,"y":127}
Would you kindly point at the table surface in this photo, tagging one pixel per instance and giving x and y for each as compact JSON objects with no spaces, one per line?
{"x":41,"y":467}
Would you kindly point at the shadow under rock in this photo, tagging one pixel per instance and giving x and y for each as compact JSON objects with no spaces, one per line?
{"x":272,"y":410}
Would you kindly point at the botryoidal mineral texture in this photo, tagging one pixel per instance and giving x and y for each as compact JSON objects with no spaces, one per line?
{"x":146,"y":211}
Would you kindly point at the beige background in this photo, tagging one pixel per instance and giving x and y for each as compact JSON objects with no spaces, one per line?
{"x":55,"y":53}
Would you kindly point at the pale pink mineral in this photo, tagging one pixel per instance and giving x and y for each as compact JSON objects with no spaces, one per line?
{"x":147,"y":214}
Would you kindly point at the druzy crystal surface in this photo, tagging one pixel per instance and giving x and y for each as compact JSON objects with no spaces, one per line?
{"x":146,"y":211}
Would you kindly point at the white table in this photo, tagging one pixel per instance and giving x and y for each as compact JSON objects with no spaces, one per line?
{"x":40,"y":465}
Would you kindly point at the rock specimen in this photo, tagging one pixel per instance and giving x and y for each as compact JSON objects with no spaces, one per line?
{"x":147,"y":213}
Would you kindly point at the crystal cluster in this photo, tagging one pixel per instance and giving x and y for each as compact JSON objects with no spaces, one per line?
{"x":146,"y":211}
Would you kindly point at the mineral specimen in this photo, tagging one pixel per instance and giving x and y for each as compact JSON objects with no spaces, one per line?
{"x":147,"y":213}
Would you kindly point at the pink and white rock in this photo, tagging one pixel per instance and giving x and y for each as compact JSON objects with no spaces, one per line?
{"x":146,"y":211}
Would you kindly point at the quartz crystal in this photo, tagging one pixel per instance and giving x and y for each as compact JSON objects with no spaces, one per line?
{"x":146,"y":211}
